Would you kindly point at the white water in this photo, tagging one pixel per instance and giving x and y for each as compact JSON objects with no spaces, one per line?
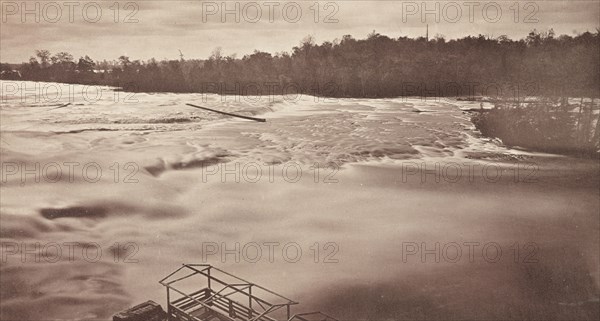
{"x":162,"y":199}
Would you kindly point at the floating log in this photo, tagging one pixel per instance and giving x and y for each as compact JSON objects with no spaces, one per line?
{"x":478,"y":110}
{"x":61,"y":106}
{"x":262,"y":120}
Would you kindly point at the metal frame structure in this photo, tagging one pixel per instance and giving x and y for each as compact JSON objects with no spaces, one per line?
{"x":216,"y":302}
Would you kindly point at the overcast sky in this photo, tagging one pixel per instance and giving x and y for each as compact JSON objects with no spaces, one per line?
{"x":146,"y":29}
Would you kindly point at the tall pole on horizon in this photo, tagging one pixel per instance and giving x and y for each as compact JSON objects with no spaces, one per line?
{"x":427,"y":33}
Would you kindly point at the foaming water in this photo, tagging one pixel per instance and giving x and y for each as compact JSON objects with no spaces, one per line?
{"x":169,"y":184}
{"x":303,"y":129}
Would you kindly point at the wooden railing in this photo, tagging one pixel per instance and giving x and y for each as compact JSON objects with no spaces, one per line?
{"x":214,"y":300}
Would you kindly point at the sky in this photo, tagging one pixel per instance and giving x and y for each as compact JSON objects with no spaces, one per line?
{"x":159,"y":29}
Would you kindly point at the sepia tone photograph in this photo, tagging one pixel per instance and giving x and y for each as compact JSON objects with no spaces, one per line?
{"x":299,"y":160}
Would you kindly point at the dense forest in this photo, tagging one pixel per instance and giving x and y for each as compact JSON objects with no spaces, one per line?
{"x":378,"y":66}
{"x":549,"y":124}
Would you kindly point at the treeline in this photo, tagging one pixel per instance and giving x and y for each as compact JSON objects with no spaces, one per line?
{"x":547,"y":124}
{"x":541,"y":64}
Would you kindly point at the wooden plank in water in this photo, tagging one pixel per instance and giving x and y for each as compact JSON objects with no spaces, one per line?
{"x":262,"y":120}
{"x":478,"y":110}
{"x":61,"y":106}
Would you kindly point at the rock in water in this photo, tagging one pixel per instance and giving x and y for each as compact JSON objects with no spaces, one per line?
{"x":147,"y":311}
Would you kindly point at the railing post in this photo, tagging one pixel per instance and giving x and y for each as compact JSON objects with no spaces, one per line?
{"x":168,"y":305}
{"x":288,"y":312}
{"x":209,"y":278}
{"x":250,"y":301}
